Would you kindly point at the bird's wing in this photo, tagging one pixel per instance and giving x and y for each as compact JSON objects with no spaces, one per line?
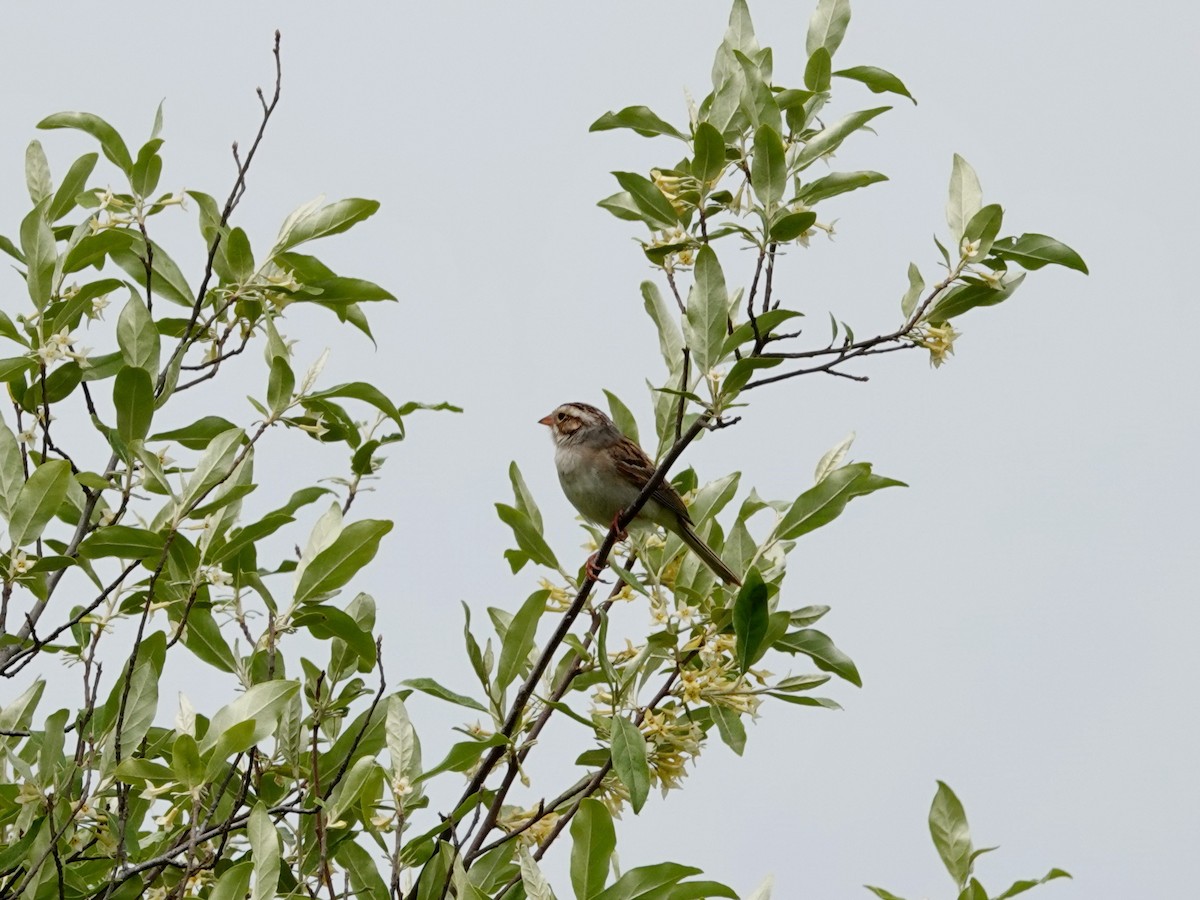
{"x":636,"y":467}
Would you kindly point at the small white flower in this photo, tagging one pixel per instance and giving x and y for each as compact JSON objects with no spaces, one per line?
{"x":969,"y":248}
{"x":49,"y":352}
{"x":99,"y":304}
{"x":217,"y":575}
{"x":27,"y":437}
{"x":21,"y":564}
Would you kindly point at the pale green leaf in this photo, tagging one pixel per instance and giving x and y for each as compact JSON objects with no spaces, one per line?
{"x":593,"y":840}
{"x":966,"y":197}
{"x":334,"y":566}
{"x":38,"y":500}
{"x":630,"y":761}
{"x":264,"y":842}
{"x":951,"y":836}
{"x":707,"y":311}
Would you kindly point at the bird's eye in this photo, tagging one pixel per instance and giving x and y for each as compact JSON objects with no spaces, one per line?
{"x":561,"y":416}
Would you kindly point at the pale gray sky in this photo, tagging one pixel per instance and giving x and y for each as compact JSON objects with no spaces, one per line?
{"x":1024,"y":616}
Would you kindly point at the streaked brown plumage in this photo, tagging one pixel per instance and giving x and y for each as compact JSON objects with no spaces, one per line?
{"x":602,"y":472}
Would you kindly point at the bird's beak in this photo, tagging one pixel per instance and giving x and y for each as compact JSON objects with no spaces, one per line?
{"x":547,"y":420}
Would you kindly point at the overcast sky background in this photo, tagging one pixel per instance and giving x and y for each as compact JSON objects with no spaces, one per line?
{"x":1024,"y":616}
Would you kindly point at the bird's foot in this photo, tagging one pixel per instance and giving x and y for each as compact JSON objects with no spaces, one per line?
{"x":593,"y":568}
{"x":620,"y":533}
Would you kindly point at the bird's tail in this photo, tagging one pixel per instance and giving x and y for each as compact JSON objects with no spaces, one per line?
{"x":707,"y":554}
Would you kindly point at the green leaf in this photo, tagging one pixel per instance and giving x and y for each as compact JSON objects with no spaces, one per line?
{"x":622,"y":417}
{"x":38,"y":500}
{"x":280,"y":385}
{"x":916,"y":284}
{"x":213,"y":466}
{"x":185,"y":760}
{"x":463,"y":755}
{"x":767,"y":322}
{"x":433,"y":689}
{"x":133,"y":397}
{"x":983,"y":227}
{"x":203,"y":637}
{"x":790,"y":226}
{"x":622,"y":206}
{"x":11,"y":249}
{"x":831,"y":137}
{"x":141,"y":704}
{"x":534,"y":882}
{"x":167,"y":279}
{"x":238,"y":255}
{"x":262,"y":704}
{"x":817,"y":646}
{"x":1032,"y":251}
{"x":72,"y":185}
{"x":644,"y":882}
{"x":707,"y":311}
{"x":966,"y":197}
{"x":59,"y":385}
{"x":122,"y":541}
{"x":757,"y":100}
{"x":824,"y":502}
{"x":963,"y":297}
{"x":708,"y":147}
{"x":14,"y":369}
{"x":529,"y":539}
{"x":593,"y":840}
{"x":365,"y":881}
{"x":334,"y":566}
{"x":670,"y":338}
{"x":334,"y":218}
{"x":648,"y":198}
{"x":264,"y":846}
{"x":837,"y":183}
{"x":37,"y":173}
{"x":818,"y":70}
{"x":367,"y":393}
{"x":12,"y":471}
{"x":110,"y":142}
{"x":356,"y":779}
{"x":630,"y":761}
{"x":1020,"y":887}
{"x":751,"y":619}
{"x":881,"y":893}
{"x":639,"y":119}
{"x":951,"y":836}
{"x":327,"y":622}
{"x":41,"y":254}
{"x":198,"y":435}
{"x":729,"y":725}
{"x":234,"y":882}
{"x":519,"y":638}
{"x":404,"y":747}
{"x":146,"y":168}
{"x":827,"y":27}
{"x":92,"y":250}
{"x":768,"y":169}
{"x":879,"y":81}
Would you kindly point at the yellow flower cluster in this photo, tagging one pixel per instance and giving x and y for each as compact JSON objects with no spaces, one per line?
{"x":938,"y":340}
{"x":513,"y":819}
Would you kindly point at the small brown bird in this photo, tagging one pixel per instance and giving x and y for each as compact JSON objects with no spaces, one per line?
{"x":602,"y":472}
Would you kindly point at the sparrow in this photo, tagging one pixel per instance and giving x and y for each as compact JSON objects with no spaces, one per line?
{"x":602,"y":472}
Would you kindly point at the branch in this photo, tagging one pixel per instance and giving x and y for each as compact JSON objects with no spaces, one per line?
{"x":235,"y":195}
